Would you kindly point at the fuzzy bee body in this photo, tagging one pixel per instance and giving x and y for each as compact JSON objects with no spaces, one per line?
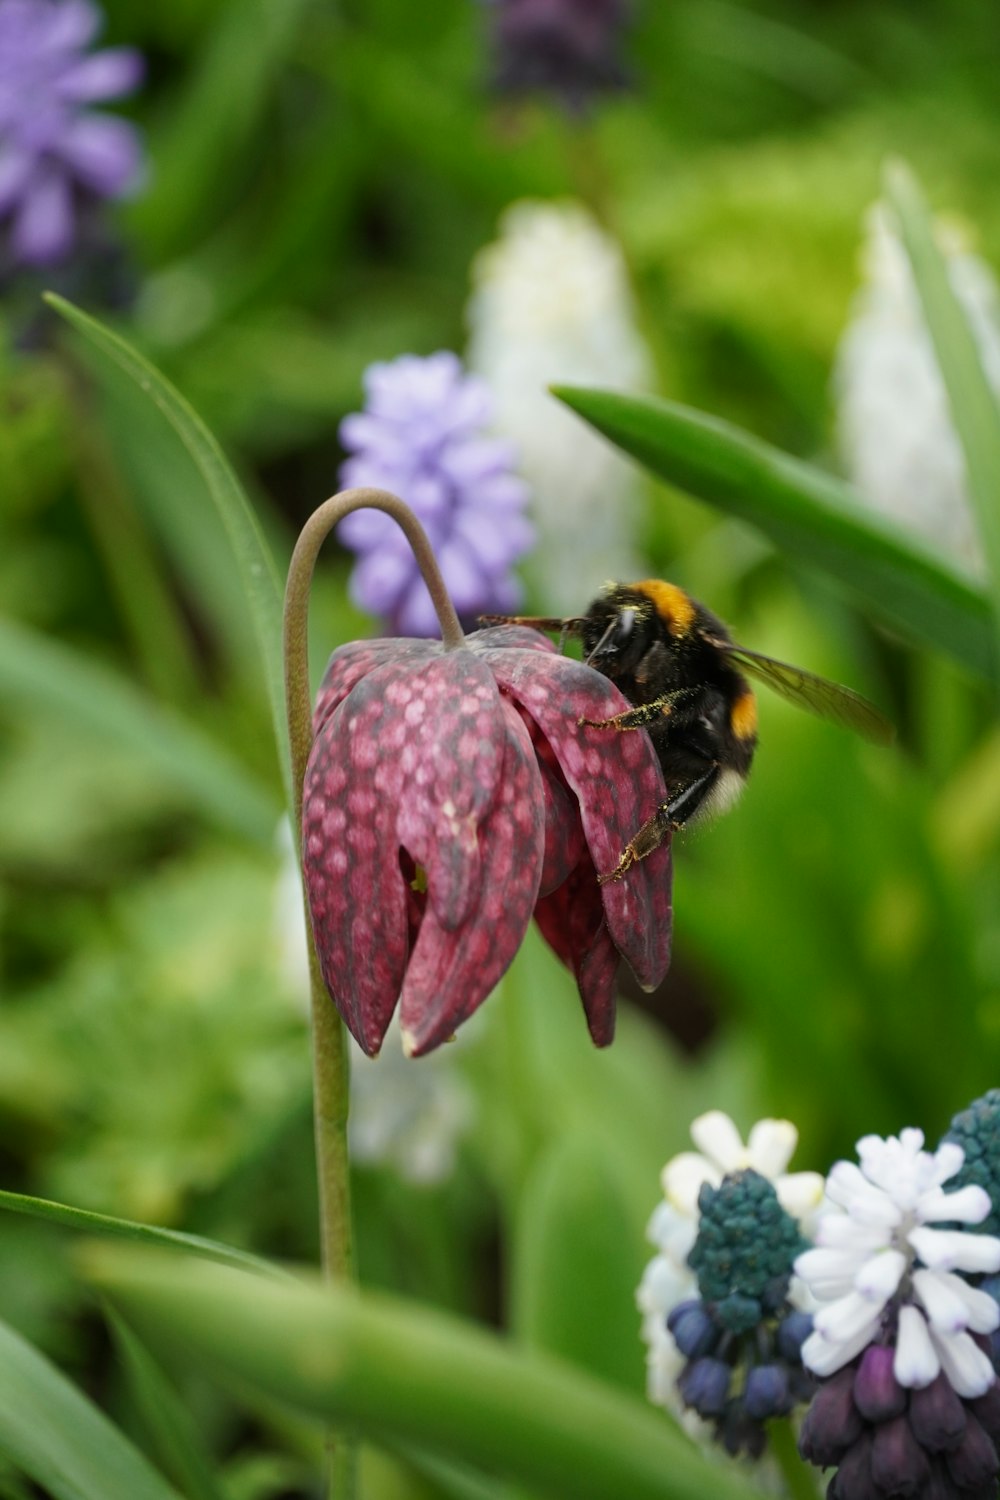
{"x":687,"y":678}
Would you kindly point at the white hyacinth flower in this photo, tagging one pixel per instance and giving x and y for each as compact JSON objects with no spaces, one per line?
{"x":895,"y":433}
{"x":673,"y":1228}
{"x":550,"y":303}
{"x":877,"y":1249}
{"x":407,"y":1114}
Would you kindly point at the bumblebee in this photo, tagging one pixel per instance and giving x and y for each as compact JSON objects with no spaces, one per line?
{"x":688,"y":679}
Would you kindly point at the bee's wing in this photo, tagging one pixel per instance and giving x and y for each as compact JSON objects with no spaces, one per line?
{"x":818,"y":694}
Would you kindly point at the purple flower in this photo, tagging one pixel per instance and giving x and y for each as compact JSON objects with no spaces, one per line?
{"x":451,"y":793}
{"x":566,"y":47}
{"x":55,"y":152}
{"x":421,"y":436}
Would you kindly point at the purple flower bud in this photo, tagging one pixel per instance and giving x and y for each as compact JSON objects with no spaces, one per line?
{"x":854,"y":1479}
{"x":986,"y":1410}
{"x":937,"y":1415}
{"x":899,"y":1464}
{"x":565,"y":47}
{"x":56,"y":153}
{"x":694,"y":1332}
{"x":877,"y":1394}
{"x":766,"y":1393}
{"x":974,"y":1463}
{"x":423,"y":765}
{"x":833,"y":1423}
{"x":704,"y":1385}
{"x":792,"y":1334}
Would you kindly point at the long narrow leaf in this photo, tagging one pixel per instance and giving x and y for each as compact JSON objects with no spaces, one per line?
{"x":48,"y":675}
{"x":54,"y":1434}
{"x":253,"y":556}
{"x":127,"y":1229}
{"x":171,"y":1435}
{"x":815,"y":518}
{"x":403,"y":1374}
{"x":974,"y":408}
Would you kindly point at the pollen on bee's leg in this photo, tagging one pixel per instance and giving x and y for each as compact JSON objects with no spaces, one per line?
{"x":649,"y":837}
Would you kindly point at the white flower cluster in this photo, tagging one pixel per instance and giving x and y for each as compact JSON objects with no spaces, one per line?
{"x":550,"y":303}
{"x":876,"y":1243}
{"x":895,"y":433}
{"x":673,"y":1228}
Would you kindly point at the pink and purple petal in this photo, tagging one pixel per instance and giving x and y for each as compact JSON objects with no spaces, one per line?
{"x":452,"y":972}
{"x":617,"y":779}
{"x":571,"y":920}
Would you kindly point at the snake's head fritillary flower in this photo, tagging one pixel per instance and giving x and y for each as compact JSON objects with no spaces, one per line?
{"x":56,"y":153}
{"x":424,"y":434}
{"x":569,"y":48}
{"x":451,"y":793}
{"x":670,"y":1283}
{"x":909,"y":1402}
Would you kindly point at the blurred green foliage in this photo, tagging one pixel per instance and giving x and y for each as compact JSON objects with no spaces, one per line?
{"x":321,"y":176}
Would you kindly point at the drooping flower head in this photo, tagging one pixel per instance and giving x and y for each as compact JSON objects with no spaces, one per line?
{"x":909,"y":1402}
{"x":451,"y":793}
{"x":56,"y":153}
{"x":895,"y":432}
{"x":678,"y":1327}
{"x":568,"y":48}
{"x":551,"y":302}
{"x":423,"y":435}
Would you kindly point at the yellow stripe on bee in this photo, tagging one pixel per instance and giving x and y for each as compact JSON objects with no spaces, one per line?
{"x":743,"y":716}
{"x":670,"y":602}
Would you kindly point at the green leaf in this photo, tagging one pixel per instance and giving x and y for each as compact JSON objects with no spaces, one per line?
{"x":128,"y":1229}
{"x":575,"y":1267}
{"x":817,"y":519}
{"x":974,"y":409}
{"x":59,"y":1438}
{"x":404,"y":1374}
{"x":254,"y":560}
{"x":172,"y":1435}
{"x":48,"y":675}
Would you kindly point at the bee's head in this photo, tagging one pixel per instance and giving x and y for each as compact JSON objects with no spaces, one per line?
{"x":617,"y":631}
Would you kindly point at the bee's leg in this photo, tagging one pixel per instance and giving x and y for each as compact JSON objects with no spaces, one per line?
{"x":646,"y":713}
{"x":669,"y":816}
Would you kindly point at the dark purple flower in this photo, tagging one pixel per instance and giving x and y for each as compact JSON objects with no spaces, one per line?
{"x":422,"y":435}
{"x":451,"y":793}
{"x":56,"y":153}
{"x":570,"y":48}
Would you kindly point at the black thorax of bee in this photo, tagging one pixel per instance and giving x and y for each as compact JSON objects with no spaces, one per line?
{"x":664,"y":650}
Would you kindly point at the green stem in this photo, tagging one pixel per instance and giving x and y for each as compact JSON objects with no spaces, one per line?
{"x":331,"y":1070}
{"x":800,"y":1482}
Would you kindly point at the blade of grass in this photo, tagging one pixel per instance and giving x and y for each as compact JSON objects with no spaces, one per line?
{"x":404,"y":1374}
{"x":48,"y":675}
{"x":816,"y":519}
{"x":254,"y":560}
{"x":974,"y":408}
{"x":60,"y":1439}
{"x":128,"y":1229}
{"x":171,"y":1435}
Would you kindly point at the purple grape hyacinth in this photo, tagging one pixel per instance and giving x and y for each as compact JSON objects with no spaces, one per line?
{"x":56,"y":153}
{"x":422,"y":436}
{"x":568,"y":48}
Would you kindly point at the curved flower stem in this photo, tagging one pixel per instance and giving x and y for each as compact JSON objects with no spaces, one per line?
{"x":331,"y":1078}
